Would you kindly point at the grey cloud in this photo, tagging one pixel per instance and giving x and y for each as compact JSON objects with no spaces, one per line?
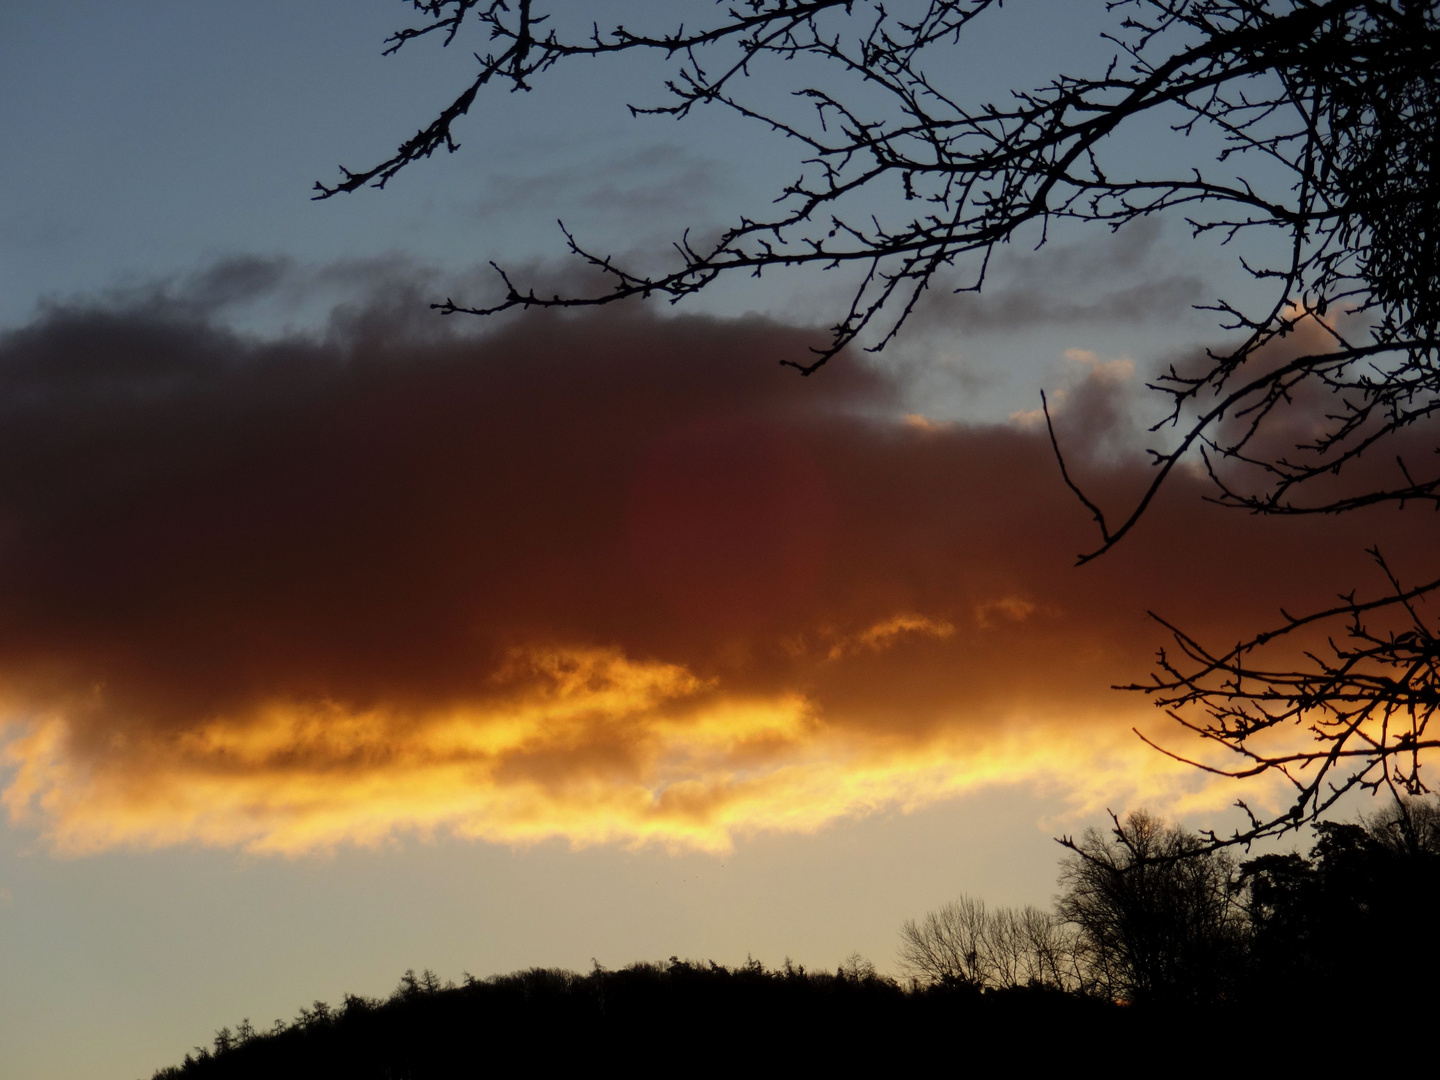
{"x":1125,"y":277}
{"x":659,"y":177}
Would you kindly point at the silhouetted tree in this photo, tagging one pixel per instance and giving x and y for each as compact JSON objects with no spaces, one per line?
{"x":947,"y":945}
{"x":1356,"y":912}
{"x":962,"y":943}
{"x":1408,"y":827}
{"x":1324,"y":113}
{"x":1155,"y":909}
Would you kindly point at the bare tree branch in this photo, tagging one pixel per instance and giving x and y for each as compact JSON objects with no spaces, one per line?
{"x":1326,"y":114}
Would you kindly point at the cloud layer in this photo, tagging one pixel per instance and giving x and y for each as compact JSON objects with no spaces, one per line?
{"x":614,"y":578}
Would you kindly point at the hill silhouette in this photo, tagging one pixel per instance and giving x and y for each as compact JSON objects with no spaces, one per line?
{"x":701,"y":1017}
{"x":1157,"y":940}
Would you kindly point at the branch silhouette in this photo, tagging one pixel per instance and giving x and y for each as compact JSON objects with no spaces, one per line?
{"x":1322,"y":117}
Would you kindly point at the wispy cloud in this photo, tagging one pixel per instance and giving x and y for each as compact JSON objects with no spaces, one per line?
{"x":1126,"y":278}
{"x":634,"y":184}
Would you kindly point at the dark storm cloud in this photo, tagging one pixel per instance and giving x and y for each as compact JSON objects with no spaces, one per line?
{"x":609,"y":577}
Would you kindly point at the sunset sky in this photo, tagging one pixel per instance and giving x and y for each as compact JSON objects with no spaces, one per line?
{"x":339,"y":638}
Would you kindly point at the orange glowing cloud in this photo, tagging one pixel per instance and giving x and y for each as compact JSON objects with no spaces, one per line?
{"x":594,"y":758}
{"x":612,"y":579}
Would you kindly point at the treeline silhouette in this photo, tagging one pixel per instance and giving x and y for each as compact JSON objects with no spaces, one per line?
{"x":1152,"y":933}
{"x":1152,"y":916}
{"x":692,"y":1017}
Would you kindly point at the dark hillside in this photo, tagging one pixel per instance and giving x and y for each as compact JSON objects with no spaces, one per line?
{"x":704,"y":1018}
{"x":1219,"y":960}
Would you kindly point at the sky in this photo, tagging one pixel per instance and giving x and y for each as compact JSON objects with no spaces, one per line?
{"x":339,"y":638}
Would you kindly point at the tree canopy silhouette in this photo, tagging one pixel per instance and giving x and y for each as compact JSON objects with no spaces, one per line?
{"x":1155,"y":911}
{"x":1151,"y":915}
{"x":1305,"y":127}
{"x":1351,"y":913}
